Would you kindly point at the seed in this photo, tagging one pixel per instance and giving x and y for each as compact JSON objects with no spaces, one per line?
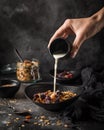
{"x":41,"y":120}
{"x":22,"y":125}
{"x":42,"y":117}
{"x":9,"y":114}
{"x":17,"y":118}
{"x":35,"y":123}
{"x":66,"y":125}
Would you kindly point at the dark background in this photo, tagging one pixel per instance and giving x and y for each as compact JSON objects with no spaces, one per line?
{"x":29,"y":24}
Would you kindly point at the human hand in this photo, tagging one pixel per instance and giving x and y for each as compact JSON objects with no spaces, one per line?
{"x":82,"y":28}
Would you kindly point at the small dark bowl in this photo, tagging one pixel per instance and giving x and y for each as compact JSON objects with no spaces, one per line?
{"x":76,"y":76}
{"x":8,"y":88}
{"x":8,"y":69}
{"x":42,"y":87}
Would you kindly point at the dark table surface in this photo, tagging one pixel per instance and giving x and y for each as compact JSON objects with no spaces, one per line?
{"x":18,"y":113}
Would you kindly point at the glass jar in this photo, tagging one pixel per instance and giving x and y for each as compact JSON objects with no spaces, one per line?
{"x":28,"y":70}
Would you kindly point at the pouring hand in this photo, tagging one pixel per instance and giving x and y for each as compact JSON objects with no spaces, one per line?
{"x":82,"y":28}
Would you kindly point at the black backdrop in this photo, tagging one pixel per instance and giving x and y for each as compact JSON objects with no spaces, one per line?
{"x":29,"y":24}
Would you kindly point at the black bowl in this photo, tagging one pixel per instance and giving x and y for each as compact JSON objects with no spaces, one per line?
{"x":42,"y":87}
{"x":8,"y":69}
{"x":8,"y":88}
{"x":76,"y":76}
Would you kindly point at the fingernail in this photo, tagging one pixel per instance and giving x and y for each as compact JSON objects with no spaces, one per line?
{"x":72,"y":54}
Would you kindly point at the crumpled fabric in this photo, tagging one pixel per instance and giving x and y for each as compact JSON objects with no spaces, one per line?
{"x":90,"y":103}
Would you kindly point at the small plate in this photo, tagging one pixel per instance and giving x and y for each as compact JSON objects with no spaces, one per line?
{"x":8,"y":69}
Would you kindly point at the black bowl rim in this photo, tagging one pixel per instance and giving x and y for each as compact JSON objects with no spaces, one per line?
{"x":17,"y":83}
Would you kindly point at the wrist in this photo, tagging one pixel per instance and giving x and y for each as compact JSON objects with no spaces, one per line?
{"x":98,"y":19}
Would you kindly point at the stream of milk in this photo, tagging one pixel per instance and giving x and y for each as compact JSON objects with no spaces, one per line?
{"x":57,"y":57}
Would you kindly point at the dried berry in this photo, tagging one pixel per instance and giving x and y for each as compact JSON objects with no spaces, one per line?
{"x":42,"y":96}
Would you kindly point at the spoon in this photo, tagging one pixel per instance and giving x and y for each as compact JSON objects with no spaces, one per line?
{"x":18,"y":55}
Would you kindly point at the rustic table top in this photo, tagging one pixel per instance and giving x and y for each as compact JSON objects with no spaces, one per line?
{"x":19,"y":113}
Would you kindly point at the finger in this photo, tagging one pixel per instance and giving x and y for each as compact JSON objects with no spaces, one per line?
{"x":76,"y":46}
{"x":57,"y":34}
{"x":62,"y":32}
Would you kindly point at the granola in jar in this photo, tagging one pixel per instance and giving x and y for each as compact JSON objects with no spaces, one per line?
{"x":28,"y":70}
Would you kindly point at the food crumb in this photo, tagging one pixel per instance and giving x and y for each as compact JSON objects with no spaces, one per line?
{"x":22,"y":125}
{"x":17,"y":118}
{"x":9,"y":114}
{"x":35,"y":123}
{"x":8,"y":123}
{"x":28,"y":117}
{"x":59,"y":123}
{"x":66,"y":125}
{"x":27,"y":120}
{"x":42,"y":117}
